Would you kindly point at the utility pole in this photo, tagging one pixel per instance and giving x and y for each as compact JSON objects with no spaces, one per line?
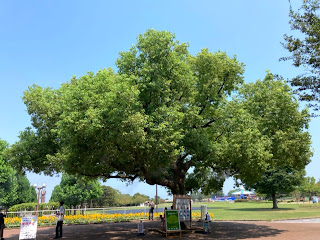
{"x":157,"y":197}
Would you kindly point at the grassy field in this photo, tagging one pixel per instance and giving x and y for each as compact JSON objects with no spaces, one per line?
{"x":261,"y":211}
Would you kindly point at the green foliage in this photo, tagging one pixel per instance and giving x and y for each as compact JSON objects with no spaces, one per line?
{"x":305,"y":50}
{"x":279,"y":180}
{"x":107,"y":198}
{"x":278,"y":119}
{"x":26,"y":192}
{"x":309,"y":187}
{"x":32,"y":206}
{"x":8,"y":180}
{"x":75,"y":190}
{"x":14,"y":186}
{"x":271,"y":104}
{"x":140,"y":198}
{"x":111,"y":197}
{"x":165,"y":117}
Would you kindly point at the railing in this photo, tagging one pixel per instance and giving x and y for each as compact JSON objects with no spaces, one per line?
{"x":84,"y":215}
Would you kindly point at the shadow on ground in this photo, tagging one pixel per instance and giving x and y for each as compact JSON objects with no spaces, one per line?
{"x":116,"y":231}
{"x":236,"y":230}
{"x":260,"y":209}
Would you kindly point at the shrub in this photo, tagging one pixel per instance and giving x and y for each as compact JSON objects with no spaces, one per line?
{"x":32,"y":206}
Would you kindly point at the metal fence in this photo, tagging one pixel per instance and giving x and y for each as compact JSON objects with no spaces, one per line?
{"x":83,"y":215}
{"x":81,"y":211}
{"x":123,"y":212}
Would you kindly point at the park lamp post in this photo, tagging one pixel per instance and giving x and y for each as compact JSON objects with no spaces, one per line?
{"x":35,"y":185}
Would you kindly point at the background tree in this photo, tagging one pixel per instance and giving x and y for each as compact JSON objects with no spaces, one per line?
{"x":305,"y":50}
{"x":113,"y":197}
{"x":15,"y":188}
{"x":124,"y":199}
{"x":140,"y":198}
{"x":296,"y":194}
{"x":108,"y":198}
{"x":309,"y":187}
{"x":76,"y":190}
{"x":278,"y":180}
{"x":8,"y":180}
{"x":270,"y":102}
{"x":26,"y":192}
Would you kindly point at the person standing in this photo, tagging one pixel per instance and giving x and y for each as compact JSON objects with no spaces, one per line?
{"x":60,"y":216}
{"x":151,"y":204}
{"x":2,"y":216}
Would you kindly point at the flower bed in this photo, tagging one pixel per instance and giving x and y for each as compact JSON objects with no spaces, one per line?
{"x":89,"y":218}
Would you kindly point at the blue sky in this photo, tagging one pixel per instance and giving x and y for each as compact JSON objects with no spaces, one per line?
{"x":47,"y":42}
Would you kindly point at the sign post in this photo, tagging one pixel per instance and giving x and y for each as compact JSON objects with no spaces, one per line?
{"x":172,"y":222}
{"x":28,"y":228}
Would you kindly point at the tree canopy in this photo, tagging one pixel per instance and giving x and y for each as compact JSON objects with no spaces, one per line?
{"x":164,"y":117}
{"x":278,"y":118}
{"x":75,"y":190}
{"x":304,"y":47}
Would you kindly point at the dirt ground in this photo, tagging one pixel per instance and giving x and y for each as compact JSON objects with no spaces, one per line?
{"x":218,"y":230}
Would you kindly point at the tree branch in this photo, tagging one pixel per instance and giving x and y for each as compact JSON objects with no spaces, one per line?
{"x":221,"y":87}
{"x":208,"y":123}
{"x":108,"y":176}
{"x":219,"y":136}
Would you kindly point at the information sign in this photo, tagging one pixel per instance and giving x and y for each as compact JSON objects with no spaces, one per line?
{"x":182,"y":203}
{"x":172,"y":221}
{"x":28,"y":228}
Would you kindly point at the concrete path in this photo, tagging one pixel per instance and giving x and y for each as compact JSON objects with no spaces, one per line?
{"x":307,"y":220}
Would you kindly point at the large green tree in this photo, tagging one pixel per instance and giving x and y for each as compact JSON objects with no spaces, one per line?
{"x":75,"y":190}
{"x":278,"y":118}
{"x":305,"y":50}
{"x":279,"y":180}
{"x":164,"y":118}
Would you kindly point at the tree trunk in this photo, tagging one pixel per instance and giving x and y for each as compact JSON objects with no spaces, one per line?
{"x":175,"y":181}
{"x":274,"y":201}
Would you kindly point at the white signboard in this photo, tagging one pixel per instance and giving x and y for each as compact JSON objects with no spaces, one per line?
{"x":140,"y":227}
{"x":183,"y":206}
{"x":28,"y":228}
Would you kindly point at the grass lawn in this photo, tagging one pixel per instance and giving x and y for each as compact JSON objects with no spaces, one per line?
{"x":261,"y":211}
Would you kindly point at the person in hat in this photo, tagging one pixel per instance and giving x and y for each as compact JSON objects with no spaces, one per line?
{"x":60,"y":216}
{"x":2,"y":216}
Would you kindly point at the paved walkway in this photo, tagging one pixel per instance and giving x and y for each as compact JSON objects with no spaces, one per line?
{"x":219,"y":230}
{"x":307,"y":220}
